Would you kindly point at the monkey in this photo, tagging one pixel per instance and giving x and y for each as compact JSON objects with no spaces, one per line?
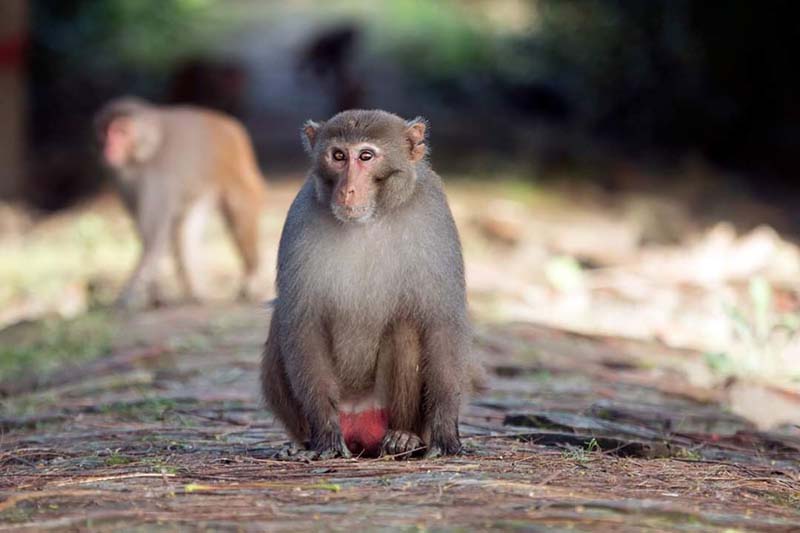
{"x":172,"y":164}
{"x":367,"y":350}
{"x":329,"y":58}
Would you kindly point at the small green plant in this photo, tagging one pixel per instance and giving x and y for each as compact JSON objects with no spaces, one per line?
{"x":582,"y":455}
{"x":46,"y":345}
{"x":688,"y":454}
{"x":115,"y":458}
{"x":593,"y":446}
{"x":765,"y":342}
{"x":564,"y":273}
{"x":147,"y":410}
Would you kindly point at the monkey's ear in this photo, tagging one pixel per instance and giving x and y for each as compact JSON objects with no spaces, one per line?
{"x":415,"y":134}
{"x":309,"y":134}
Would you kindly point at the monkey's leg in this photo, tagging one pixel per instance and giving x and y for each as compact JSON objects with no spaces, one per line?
{"x":153,"y":286}
{"x":186,"y":236}
{"x":154,"y":227}
{"x":400,"y":379}
{"x":443,"y":381}
{"x":277,"y":392}
{"x":241,"y":212}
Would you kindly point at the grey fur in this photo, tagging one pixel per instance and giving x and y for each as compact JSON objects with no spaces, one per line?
{"x":343,"y":288}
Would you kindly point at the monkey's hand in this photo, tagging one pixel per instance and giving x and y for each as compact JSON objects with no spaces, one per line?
{"x":441,"y":445}
{"x":330,"y":444}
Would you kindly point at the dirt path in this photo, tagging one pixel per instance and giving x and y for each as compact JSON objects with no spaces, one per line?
{"x":575,"y":433}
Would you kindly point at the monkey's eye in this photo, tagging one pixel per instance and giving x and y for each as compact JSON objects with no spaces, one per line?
{"x":366,"y":155}
{"x":338,"y":155}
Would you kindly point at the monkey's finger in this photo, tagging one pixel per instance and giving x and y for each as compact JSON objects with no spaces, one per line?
{"x":328,"y":454}
{"x":433,"y":452}
{"x":390,"y":443}
{"x":333,"y":454}
{"x":292,"y":452}
{"x":386,"y":443}
{"x":415,"y":444}
{"x":343,"y":450}
{"x":412,"y":446}
{"x":283,"y":454}
{"x":306,"y":456}
{"x":402,"y":442}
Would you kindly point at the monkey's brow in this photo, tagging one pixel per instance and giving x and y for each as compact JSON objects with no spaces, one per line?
{"x":365,"y":144}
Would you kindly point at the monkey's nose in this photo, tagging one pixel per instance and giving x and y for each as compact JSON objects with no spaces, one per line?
{"x":347,"y":196}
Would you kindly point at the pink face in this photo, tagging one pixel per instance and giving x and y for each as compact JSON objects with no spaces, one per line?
{"x":356,"y":164}
{"x":119,"y":142}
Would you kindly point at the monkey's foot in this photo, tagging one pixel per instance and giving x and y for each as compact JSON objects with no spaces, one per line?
{"x":401,"y":443}
{"x":292,"y":452}
{"x":190,"y":300}
{"x":249,"y":291}
{"x":128,"y":301}
{"x":303,"y":454}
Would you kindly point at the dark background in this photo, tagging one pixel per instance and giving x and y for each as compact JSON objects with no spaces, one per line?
{"x":539,"y":88}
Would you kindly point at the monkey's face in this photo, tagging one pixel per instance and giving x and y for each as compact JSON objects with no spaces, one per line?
{"x":354,"y":174}
{"x":118,"y":142}
{"x":128,"y":131}
{"x":364,"y":162}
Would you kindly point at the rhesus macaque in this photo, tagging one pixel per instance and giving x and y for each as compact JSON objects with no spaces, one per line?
{"x":368,"y":345}
{"x":172,"y":164}
{"x":328,"y":57}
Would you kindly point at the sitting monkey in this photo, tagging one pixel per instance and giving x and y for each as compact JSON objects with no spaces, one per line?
{"x":368,"y":345}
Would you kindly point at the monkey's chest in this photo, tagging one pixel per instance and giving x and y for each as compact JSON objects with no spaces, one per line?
{"x":355,"y":345}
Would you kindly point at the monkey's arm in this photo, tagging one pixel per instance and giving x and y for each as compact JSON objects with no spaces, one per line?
{"x":305,"y":350}
{"x":443,"y":352}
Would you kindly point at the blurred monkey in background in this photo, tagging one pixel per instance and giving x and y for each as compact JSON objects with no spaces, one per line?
{"x":172,"y":165}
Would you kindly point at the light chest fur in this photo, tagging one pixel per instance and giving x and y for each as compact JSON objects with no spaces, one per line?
{"x":360,"y":276}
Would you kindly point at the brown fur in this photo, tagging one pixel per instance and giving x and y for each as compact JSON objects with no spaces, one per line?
{"x":172,"y":164}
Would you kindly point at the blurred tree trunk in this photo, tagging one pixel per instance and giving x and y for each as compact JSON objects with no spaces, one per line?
{"x":13,"y":36}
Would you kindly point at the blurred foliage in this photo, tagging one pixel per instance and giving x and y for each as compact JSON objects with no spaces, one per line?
{"x":53,"y":265}
{"x":437,"y":40}
{"x":564,"y":273}
{"x":147,"y":34}
{"x":664,"y":78}
{"x":38,"y":348}
{"x":766,"y":342}
{"x":677,"y":74}
{"x":672,"y":76}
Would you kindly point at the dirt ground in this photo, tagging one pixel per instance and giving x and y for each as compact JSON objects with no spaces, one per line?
{"x":639,"y":382}
{"x":575,"y":433}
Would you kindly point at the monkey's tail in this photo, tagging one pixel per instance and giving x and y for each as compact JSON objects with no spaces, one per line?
{"x":252,"y":177}
{"x":244,"y":181}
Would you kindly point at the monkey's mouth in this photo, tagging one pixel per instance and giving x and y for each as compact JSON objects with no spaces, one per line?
{"x":359,"y":214}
